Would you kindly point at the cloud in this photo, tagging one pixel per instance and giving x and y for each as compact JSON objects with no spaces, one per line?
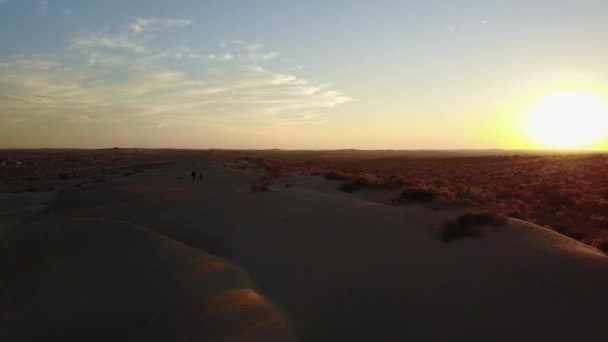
{"x":140,"y":25}
{"x":114,"y":79}
{"x":242,"y":50}
{"x":484,"y":22}
{"x":270,"y":55}
{"x":451,"y":29}
{"x":107,"y":41}
{"x":230,"y":51}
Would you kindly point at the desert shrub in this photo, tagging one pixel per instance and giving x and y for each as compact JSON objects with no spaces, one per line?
{"x":463,"y":192}
{"x":360,"y":180}
{"x":335,"y":175}
{"x":602,"y":245}
{"x":415,"y":194}
{"x":556,"y":198}
{"x":396,"y":182}
{"x":517,"y":214}
{"x":466,"y":225}
{"x":568,"y":231}
{"x":600,"y":220}
{"x":273,"y":173}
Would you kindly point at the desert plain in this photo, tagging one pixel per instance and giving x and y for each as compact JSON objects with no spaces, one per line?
{"x":125,"y":245}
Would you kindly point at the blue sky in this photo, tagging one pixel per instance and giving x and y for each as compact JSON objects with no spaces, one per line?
{"x":287,"y":74}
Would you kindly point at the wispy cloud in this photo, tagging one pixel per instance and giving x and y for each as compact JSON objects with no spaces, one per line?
{"x":140,"y":25}
{"x":235,"y":50}
{"x":107,"y":41}
{"x":451,"y":29}
{"x":119,"y":78}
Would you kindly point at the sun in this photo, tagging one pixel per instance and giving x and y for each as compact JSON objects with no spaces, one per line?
{"x":568,"y":119}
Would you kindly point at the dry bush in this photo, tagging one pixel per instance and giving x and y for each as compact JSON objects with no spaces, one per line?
{"x":396,"y":182}
{"x":601,"y":244}
{"x":466,"y":225}
{"x":568,"y":231}
{"x":360,"y":180}
{"x":418,"y":195}
{"x":335,"y":175}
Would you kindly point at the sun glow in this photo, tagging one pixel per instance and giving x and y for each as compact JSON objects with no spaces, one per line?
{"x":568,"y":119}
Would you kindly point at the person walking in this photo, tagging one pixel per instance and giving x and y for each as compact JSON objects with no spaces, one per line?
{"x":193,"y":175}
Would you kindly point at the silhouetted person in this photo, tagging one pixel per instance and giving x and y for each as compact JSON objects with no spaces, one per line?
{"x":193,"y":175}
{"x":200,"y":177}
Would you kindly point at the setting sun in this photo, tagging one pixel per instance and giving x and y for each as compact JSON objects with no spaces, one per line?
{"x":568,"y":119}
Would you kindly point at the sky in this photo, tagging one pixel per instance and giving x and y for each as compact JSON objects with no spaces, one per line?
{"x":290,"y":74}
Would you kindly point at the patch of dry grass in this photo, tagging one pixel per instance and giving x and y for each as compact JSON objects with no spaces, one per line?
{"x":467,"y":225}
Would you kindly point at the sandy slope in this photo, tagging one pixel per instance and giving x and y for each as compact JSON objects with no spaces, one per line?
{"x":342,"y":268}
{"x":103,"y":280}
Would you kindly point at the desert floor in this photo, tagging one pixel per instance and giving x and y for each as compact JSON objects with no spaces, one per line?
{"x":156,"y":256}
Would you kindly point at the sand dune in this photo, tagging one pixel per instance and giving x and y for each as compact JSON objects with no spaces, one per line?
{"x":103,"y":280}
{"x":341,"y":268}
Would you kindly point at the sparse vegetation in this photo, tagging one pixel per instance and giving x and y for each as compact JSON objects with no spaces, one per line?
{"x":414,"y":194}
{"x":566,"y":192}
{"x":360,"y":180}
{"x":602,"y":244}
{"x":467,"y":225}
{"x":335,"y":175}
